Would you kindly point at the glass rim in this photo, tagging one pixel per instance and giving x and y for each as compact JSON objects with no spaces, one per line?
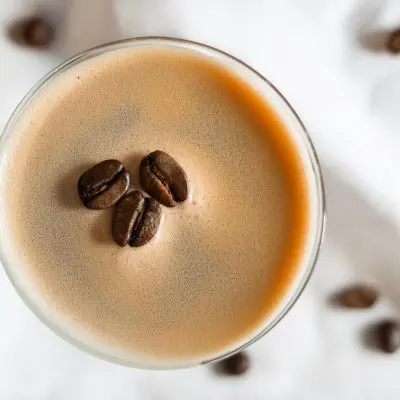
{"x":316,"y":171}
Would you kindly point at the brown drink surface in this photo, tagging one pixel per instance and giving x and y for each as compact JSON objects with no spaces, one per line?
{"x":221,"y":261}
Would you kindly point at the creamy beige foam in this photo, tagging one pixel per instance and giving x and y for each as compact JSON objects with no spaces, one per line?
{"x":220,"y":262}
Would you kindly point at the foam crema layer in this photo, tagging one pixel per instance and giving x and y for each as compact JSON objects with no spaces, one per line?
{"x":222,"y":263}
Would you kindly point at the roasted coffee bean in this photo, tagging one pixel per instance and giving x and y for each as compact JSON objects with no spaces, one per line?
{"x":163,"y":178}
{"x":32,"y":32}
{"x":388,"y":335}
{"x":393,"y":42}
{"x":103,"y":185}
{"x":136,"y":219}
{"x":238,"y":364}
{"x":38,"y":32}
{"x":359,"y":296}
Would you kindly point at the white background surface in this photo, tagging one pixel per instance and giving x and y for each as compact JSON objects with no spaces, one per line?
{"x":315,"y":51}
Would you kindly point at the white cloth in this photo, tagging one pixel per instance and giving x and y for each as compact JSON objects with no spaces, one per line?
{"x":318,"y":54}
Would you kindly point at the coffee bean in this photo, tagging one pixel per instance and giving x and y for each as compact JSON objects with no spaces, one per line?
{"x":393,"y":42}
{"x":163,"y":178}
{"x":388,"y":335}
{"x":136,"y":219}
{"x":38,"y":32}
{"x":103,"y":185}
{"x":238,"y":364}
{"x":359,"y":296}
{"x":33,"y":32}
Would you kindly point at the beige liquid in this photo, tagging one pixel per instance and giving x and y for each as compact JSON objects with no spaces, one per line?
{"x":220,"y":262}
